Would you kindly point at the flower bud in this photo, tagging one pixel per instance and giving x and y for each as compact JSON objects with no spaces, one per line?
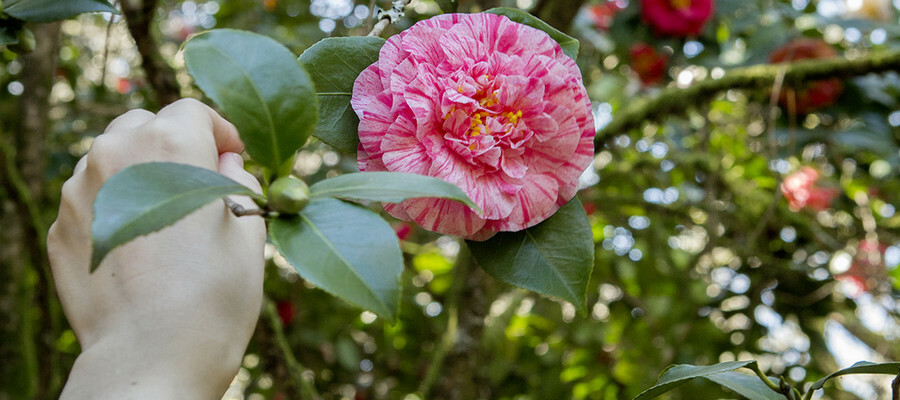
{"x":288,"y":195}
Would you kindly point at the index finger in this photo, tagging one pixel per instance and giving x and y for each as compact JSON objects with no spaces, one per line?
{"x":224,"y":133}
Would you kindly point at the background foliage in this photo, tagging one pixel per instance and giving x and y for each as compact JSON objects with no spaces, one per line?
{"x":699,"y":257}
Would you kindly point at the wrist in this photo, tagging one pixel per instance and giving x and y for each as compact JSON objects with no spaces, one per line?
{"x":118,"y":368}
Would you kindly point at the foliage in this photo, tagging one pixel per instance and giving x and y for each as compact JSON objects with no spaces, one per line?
{"x":699,"y":258}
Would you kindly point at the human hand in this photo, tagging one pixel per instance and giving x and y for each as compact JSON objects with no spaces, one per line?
{"x":167,"y":315}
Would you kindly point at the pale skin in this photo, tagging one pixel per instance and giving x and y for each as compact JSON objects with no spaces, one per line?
{"x":168,"y":315}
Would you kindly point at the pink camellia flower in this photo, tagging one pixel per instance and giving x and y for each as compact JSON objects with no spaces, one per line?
{"x":482,"y":102}
{"x":677,"y":17}
{"x":801,"y":191}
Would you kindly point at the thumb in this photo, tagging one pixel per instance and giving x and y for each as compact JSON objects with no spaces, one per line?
{"x":232,"y":166}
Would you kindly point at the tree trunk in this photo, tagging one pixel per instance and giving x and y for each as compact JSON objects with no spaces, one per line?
{"x":139,"y":16}
{"x":30,"y":367}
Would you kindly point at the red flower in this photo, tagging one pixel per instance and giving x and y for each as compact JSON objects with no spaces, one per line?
{"x":867,"y":270}
{"x":589,"y":207}
{"x":649,"y":64}
{"x":602,"y":14}
{"x":403,"y":230}
{"x":814,"y":95}
{"x":801,"y":191}
{"x":286,"y":311}
{"x":677,"y":17}
{"x":123,"y":86}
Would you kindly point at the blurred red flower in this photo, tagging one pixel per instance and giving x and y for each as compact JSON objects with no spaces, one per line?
{"x":649,"y":64}
{"x":403,"y":230}
{"x":801,"y":191}
{"x":677,"y":17}
{"x":814,"y":95}
{"x":286,"y":311}
{"x":602,"y":14}
{"x":867,"y":269}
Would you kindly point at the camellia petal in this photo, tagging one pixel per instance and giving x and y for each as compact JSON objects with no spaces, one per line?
{"x":490,"y":105}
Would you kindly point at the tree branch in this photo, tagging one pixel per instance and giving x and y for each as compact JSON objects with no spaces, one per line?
{"x":138,"y":15}
{"x":675,"y":101}
{"x":451,"y":332}
{"x":307,"y":388}
{"x":388,"y":17}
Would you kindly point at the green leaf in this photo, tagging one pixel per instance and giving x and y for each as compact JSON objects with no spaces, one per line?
{"x":54,"y":10}
{"x":260,"y":87}
{"x":677,"y":375}
{"x":554,"y":258}
{"x":862,"y":367}
{"x":8,"y":32}
{"x":346,"y":250}
{"x":392,"y":187}
{"x":145,"y":198}
{"x":749,"y":386}
{"x":334,"y":64}
{"x":569,"y":44}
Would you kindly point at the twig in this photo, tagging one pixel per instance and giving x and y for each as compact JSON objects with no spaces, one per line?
{"x":895,"y":388}
{"x":388,"y":17}
{"x":239,"y":210}
{"x":675,"y":101}
{"x":764,"y":378}
{"x":371,"y":14}
{"x":448,"y":340}
{"x":106,"y":50}
{"x":307,"y":389}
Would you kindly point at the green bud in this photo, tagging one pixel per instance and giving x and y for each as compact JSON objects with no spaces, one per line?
{"x":288,"y":195}
{"x":26,"y":42}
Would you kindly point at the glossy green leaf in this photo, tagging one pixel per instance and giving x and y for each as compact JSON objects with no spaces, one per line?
{"x":346,"y":250}
{"x":54,"y":10}
{"x":569,"y":44}
{"x":260,"y":87}
{"x":145,"y":198}
{"x":749,"y":386}
{"x":862,"y":367}
{"x":334,"y":64}
{"x":392,"y":187}
{"x":677,"y":375}
{"x":554,"y":258}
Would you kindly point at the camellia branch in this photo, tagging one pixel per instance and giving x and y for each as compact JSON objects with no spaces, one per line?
{"x":239,"y":210}
{"x":676,"y":101}
{"x":388,"y":17}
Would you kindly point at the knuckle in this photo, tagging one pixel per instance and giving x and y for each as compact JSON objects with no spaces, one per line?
{"x":106,"y":157}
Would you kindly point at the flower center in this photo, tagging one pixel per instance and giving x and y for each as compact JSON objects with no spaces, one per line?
{"x":680,"y":4}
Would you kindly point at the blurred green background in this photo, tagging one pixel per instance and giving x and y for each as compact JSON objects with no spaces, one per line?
{"x":699,"y":257}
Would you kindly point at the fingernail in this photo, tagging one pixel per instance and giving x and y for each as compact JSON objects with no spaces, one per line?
{"x":237,"y":158}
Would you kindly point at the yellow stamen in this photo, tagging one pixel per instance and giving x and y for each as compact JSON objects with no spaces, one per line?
{"x":680,"y":4}
{"x":459,"y":89}
{"x":513,"y":118}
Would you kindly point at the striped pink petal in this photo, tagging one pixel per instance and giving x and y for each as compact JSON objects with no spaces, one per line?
{"x":482,"y":102}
